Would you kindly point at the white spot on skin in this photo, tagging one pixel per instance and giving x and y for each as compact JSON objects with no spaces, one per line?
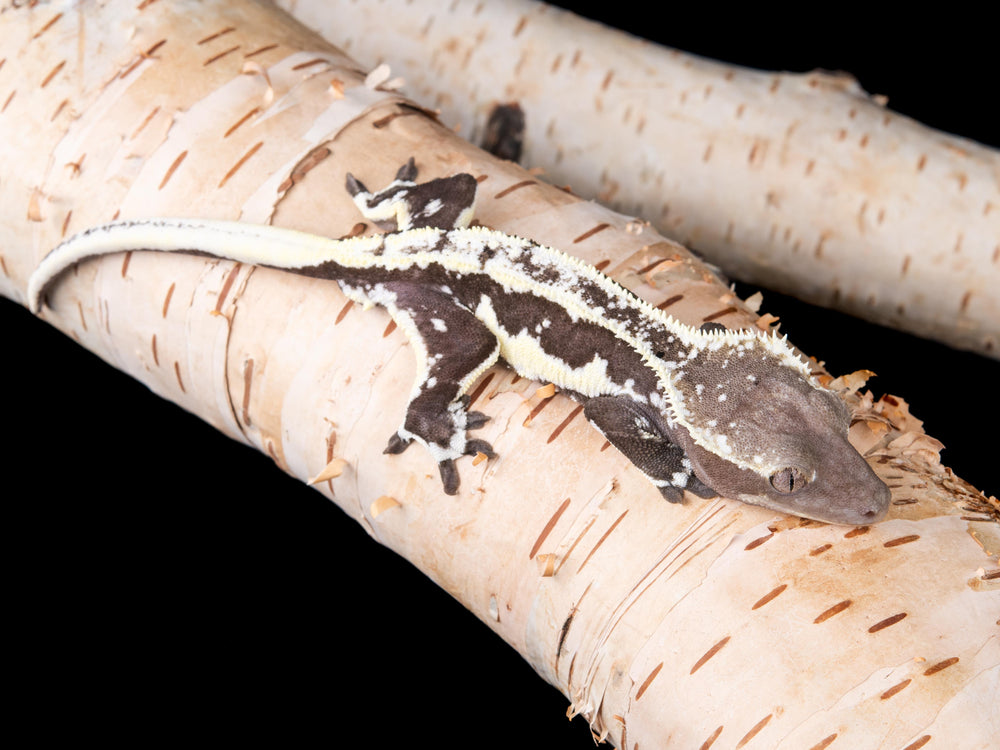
{"x":723,"y":443}
{"x":439,"y":325}
{"x":722,"y":397}
{"x":432,"y":207}
{"x":679,"y":479}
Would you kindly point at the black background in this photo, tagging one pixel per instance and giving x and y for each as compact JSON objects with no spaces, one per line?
{"x":224,"y":598}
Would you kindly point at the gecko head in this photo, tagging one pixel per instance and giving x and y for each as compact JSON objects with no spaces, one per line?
{"x":779,"y":441}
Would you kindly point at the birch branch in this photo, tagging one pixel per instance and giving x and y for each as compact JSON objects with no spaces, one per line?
{"x":798,"y":182}
{"x":652,"y":619}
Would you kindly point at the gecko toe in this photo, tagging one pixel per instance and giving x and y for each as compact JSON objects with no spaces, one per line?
{"x":397,"y":444}
{"x":354,"y":185}
{"x":407,"y":172}
{"x":472,"y":447}
{"x":696,"y":487}
{"x":449,"y":476}
{"x":475,"y":419}
{"x":672,"y":494}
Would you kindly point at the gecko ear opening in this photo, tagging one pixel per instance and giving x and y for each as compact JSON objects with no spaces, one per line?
{"x":789,"y":480}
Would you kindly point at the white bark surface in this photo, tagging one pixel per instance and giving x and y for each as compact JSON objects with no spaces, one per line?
{"x":709,"y":623}
{"x":801,"y":183}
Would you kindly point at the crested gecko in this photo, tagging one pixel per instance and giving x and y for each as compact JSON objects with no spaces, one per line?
{"x":705,"y":410}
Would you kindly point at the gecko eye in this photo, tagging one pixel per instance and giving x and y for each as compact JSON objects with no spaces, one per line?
{"x":789,"y":480}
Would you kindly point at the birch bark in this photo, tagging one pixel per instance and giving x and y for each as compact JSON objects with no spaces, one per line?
{"x":653,"y":620}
